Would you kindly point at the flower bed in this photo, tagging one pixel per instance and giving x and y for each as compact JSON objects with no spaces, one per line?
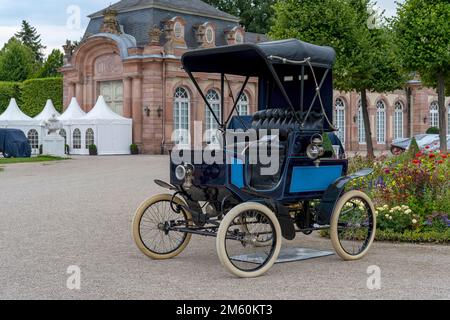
{"x":411,"y":194}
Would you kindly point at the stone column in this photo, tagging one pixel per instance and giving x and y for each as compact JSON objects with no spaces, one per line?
{"x":71,"y":91}
{"x":79,"y":94}
{"x":127,"y":97}
{"x":137,"y":109}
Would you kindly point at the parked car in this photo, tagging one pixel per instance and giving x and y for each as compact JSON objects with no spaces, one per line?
{"x":423,"y":141}
{"x":14,"y":144}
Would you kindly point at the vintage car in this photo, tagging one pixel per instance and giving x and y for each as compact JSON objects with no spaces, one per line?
{"x":14,"y":143}
{"x":248,"y":208}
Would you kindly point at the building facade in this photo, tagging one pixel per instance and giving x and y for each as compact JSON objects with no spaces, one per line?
{"x":131,"y":55}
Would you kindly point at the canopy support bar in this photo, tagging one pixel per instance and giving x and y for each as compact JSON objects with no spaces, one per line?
{"x":197,"y":86}
{"x":237,"y":100}
{"x":222,"y":97}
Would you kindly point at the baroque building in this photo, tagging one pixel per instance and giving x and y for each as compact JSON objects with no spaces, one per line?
{"x":131,"y":55}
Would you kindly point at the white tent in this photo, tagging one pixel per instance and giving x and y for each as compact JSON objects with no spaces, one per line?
{"x":111,"y":133}
{"x":48,"y":112}
{"x":73,"y":112}
{"x":14,"y":118}
{"x":71,"y":120}
{"x":114,"y":133}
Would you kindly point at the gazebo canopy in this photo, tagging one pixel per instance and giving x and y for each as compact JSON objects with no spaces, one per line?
{"x":48,"y":112}
{"x":73,"y":112}
{"x":13,"y":113}
{"x":102,"y":112}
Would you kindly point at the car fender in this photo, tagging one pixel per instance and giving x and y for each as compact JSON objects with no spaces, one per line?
{"x":334,"y":193}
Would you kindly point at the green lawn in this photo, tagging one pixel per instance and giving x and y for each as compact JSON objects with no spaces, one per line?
{"x":27,"y":160}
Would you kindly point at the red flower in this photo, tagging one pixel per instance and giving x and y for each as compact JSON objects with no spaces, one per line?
{"x":432,"y":156}
{"x":440,"y":161}
{"x":419,"y":155}
{"x":416,"y":162}
{"x":427,"y":147}
{"x":387,"y":171}
{"x":444,"y":156}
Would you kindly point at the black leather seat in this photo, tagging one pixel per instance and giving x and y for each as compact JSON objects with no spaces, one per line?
{"x":285,"y":121}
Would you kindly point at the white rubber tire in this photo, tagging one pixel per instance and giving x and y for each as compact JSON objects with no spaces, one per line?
{"x":221,"y":239}
{"x":136,"y":230}
{"x":335,"y":220}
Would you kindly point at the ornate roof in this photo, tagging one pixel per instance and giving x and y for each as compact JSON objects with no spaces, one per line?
{"x":196,"y":7}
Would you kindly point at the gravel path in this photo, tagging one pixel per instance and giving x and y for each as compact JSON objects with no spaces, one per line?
{"x":79,"y":212}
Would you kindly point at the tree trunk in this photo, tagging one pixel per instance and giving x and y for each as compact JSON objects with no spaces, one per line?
{"x":410,"y":132}
{"x":366,"y":119}
{"x":442,"y":114}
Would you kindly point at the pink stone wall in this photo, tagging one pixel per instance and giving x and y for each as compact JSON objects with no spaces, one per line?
{"x":150,"y":83}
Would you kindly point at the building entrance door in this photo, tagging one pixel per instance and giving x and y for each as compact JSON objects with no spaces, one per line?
{"x":112,"y":91}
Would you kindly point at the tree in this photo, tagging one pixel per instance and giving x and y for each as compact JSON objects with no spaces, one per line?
{"x":366,"y":57}
{"x":256,"y":15}
{"x":50,"y":67}
{"x":29,"y":37}
{"x":423,"y":34}
{"x":16,"y":61}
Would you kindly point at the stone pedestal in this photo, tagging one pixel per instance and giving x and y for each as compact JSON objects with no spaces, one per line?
{"x":53,"y":145}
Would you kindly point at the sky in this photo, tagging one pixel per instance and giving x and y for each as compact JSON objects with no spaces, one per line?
{"x":58,"y":20}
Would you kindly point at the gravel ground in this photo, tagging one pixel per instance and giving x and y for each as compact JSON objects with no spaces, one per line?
{"x":79,"y":212}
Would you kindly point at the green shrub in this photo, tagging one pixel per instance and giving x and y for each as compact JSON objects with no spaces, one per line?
{"x":36,"y":92}
{"x":134,"y":149}
{"x":433,"y":130}
{"x":8,"y":90}
{"x":93,"y":150}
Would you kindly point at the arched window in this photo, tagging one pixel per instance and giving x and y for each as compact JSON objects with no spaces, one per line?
{"x":361,"y":128}
{"x":89,"y":138}
{"x":243,"y":106}
{"x":339,"y":119}
{"x":434,"y":114}
{"x":33,"y":139}
{"x":181,"y":117}
{"x":63,"y":134}
{"x":398,"y":120}
{"x":381,"y":122}
{"x":76,"y":141}
{"x":211,"y":124}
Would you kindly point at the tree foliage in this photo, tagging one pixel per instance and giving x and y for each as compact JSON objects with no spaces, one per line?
{"x":366,"y":57}
{"x":16,"y":61}
{"x":8,"y":90}
{"x":29,"y":37}
{"x":423,"y":35}
{"x":256,"y":15}
{"x":51,"y":65}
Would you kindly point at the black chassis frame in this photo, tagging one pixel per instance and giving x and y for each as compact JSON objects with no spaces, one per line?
{"x":207,"y":226}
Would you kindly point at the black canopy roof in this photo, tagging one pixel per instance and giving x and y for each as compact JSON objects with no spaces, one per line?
{"x":254,"y":59}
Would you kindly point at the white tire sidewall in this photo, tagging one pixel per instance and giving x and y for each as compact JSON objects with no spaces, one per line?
{"x":136,"y":227}
{"x":221,"y":239}
{"x":334,"y":235}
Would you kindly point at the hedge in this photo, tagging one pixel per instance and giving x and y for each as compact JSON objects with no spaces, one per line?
{"x":8,"y":90}
{"x":36,"y":92}
{"x":425,"y":236}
